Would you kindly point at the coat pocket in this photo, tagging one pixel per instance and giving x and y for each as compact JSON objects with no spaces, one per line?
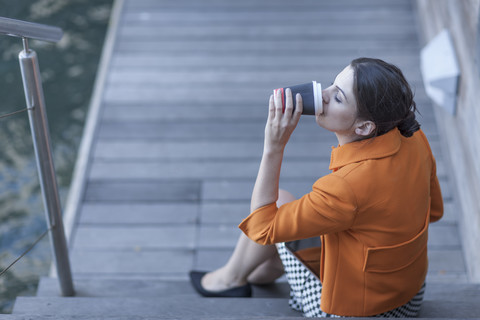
{"x":396,"y":257}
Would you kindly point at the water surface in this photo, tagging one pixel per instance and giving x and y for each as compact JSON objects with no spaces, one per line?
{"x":68,"y":71}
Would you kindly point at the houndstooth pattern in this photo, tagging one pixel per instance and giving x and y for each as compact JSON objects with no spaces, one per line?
{"x":306,"y":291}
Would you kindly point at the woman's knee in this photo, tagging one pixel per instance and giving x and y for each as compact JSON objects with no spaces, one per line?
{"x":284,"y":197}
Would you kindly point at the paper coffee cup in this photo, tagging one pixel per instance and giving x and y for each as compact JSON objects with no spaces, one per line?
{"x":311,"y":96}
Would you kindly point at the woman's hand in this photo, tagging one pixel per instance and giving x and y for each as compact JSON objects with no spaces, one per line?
{"x":280,"y":125}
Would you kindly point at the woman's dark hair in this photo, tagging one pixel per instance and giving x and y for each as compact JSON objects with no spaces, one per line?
{"x":384,"y":96}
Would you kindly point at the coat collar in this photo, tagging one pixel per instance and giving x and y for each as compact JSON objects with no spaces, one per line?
{"x":373,"y":148}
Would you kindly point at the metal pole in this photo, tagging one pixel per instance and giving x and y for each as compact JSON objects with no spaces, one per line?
{"x":24,"y":29}
{"x":43,"y":152}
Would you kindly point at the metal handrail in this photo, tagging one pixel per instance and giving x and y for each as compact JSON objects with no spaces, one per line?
{"x":37,"y":115}
{"x":24,"y":29}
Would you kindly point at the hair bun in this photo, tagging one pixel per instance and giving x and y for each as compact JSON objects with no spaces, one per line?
{"x":409,"y":125}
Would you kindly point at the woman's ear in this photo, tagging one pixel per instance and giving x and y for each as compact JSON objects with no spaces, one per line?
{"x":365,"y":128}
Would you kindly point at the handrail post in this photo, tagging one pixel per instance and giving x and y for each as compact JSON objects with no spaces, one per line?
{"x":43,"y":152}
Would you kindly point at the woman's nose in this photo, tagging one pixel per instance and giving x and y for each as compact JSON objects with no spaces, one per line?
{"x":325,"y":96}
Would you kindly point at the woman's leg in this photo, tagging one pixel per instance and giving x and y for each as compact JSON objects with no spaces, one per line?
{"x":249,"y":262}
{"x":267,"y":272}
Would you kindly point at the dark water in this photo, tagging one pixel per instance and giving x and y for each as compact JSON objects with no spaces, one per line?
{"x":68,"y":71}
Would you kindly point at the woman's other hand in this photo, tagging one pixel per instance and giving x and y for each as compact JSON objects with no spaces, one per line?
{"x":280,"y":125}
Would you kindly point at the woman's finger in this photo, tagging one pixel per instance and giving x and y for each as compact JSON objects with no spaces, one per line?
{"x":298,"y":107}
{"x":288,"y":104}
{"x":271,"y":108}
{"x":278,"y":104}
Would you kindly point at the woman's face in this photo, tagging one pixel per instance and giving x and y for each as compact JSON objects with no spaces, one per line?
{"x":340,"y":107}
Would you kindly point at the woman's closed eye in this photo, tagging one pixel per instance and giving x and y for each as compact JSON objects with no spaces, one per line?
{"x":337,"y":97}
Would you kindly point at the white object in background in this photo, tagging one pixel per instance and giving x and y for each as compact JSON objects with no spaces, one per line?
{"x":440,"y":71}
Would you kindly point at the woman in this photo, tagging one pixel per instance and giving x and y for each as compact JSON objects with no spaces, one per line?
{"x":371,"y":213}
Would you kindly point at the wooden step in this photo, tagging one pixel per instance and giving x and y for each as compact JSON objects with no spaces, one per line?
{"x":201,"y":308}
{"x":49,"y":287}
{"x":165,"y":307}
{"x":158,"y":299}
{"x":96,"y":317}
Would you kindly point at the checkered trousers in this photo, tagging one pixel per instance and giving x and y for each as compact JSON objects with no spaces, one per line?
{"x":306,"y":291}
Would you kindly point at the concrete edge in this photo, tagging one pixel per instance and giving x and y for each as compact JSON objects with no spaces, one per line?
{"x":456,"y":177}
{"x":82,"y":162}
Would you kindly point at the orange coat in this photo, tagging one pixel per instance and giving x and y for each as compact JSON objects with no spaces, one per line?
{"x":372,"y":213}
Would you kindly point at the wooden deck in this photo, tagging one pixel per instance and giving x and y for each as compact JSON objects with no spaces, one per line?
{"x":173,"y":142}
{"x":174,"y":137}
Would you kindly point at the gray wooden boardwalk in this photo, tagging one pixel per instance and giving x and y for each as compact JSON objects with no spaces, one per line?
{"x":175,"y":133}
{"x":176,"y":137}
{"x":173,"y":142}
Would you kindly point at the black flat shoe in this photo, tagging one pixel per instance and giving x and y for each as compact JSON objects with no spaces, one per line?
{"x":237,"y":292}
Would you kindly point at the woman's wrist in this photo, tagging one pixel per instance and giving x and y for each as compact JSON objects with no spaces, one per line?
{"x":273,"y":150}
{"x":266,"y":186}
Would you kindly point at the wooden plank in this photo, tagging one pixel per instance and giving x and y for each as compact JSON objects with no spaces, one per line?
{"x":208,"y":212}
{"x":450,"y":214}
{"x":227,"y":31}
{"x":230,"y":214}
{"x":214,"y":170}
{"x":146,"y":288}
{"x":229,"y":169}
{"x":436,"y":305}
{"x":148,"y":93}
{"x":153,"y":150}
{"x":153,"y":93}
{"x":267,"y":66}
{"x":143,"y":191}
{"x":443,"y":237}
{"x":189,"y":307}
{"x":215,"y":131}
{"x":443,"y":262}
{"x":208,"y":112}
{"x":129,"y":63}
{"x":446,"y":187}
{"x":225,"y":190}
{"x":242,"y":79}
{"x":441,"y":308}
{"x":224,"y":131}
{"x":159,"y":288}
{"x":131,"y":263}
{"x":137,"y":213}
{"x":199,"y":112}
{"x":436,"y":291}
{"x":107,"y":150}
{"x":328,"y":46}
{"x":268,"y":5}
{"x":209,"y":236}
{"x":211,"y":259}
{"x":237,"y":190}
{"x":155,"y":17}
{"x":137,"y":238}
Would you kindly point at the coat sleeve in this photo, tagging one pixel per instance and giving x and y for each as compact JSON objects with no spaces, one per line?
{"x":330,"y":207}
